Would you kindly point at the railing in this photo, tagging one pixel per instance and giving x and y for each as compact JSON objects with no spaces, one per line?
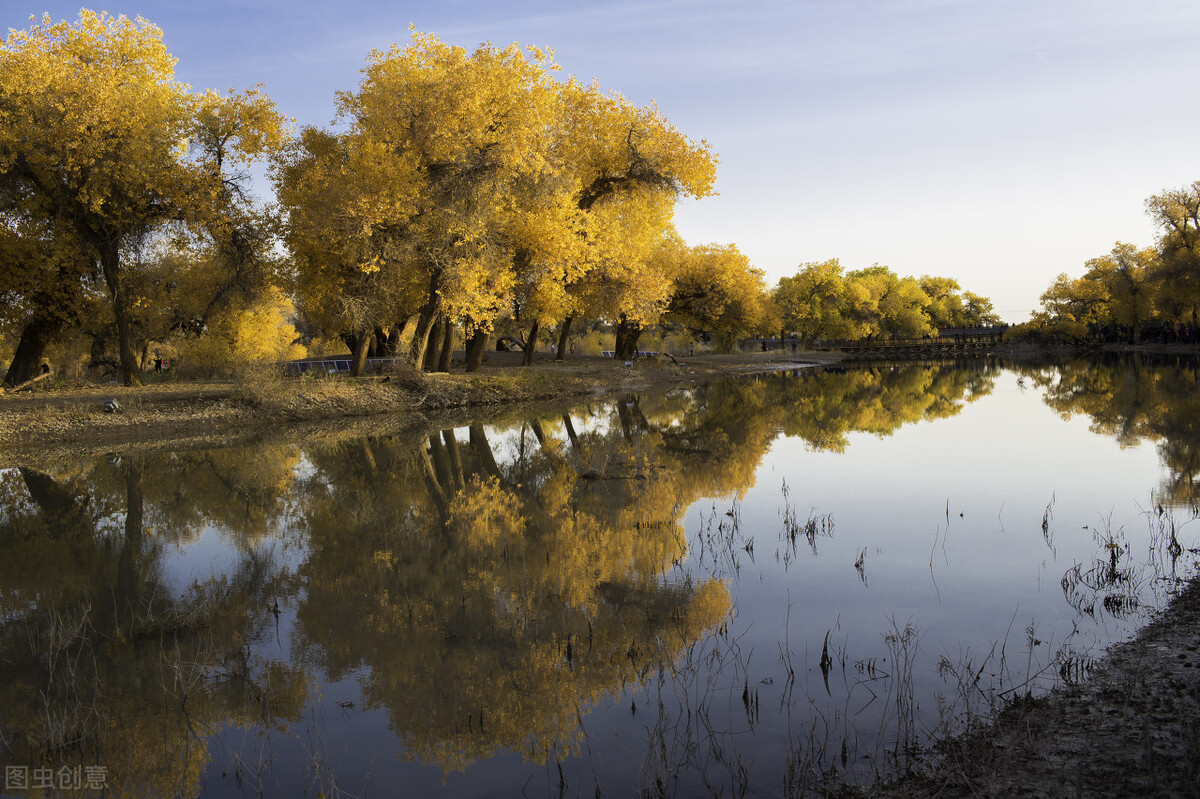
{"x":334,"y":365}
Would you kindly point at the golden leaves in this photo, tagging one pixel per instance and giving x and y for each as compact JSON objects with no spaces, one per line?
{"x":477,"y":174}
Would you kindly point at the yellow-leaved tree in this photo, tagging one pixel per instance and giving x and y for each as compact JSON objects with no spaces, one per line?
{"x":629,"y":166}
{"x":717,"y":291}
{"x":349,"y":277}
{"x":484,"y":190}
{"x":449,"y":142}
{"x":95,"y":133}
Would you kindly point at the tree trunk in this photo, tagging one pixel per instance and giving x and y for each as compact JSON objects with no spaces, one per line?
{"x":564,"y":331}
{"x":435,"y":333}
{"x":54,"y":499}
{"x":436,"y":493}
{"x":392,"y":347}
{"x":456,"y":469}
{"x":380,"y":344}
{"x":441,"y":464}
{"x":627,"y":338}
{"x":629,"y":411}
{"x":131,"y":550}
{"x":110,"y":260}
{"x":539,"y":432}
{"x":367,"y":454}
{"x":416,"y":347}
{"x":571,"y":434}
{"x":443,"y":363}
{"x":362,"y":346}
{"x":476,"y":346}
{"x":530,"y":346}
{"x":627,"y":422}
{"x":27,"y":360}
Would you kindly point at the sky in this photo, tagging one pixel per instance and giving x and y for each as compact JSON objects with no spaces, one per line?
{"x":998,"y":142}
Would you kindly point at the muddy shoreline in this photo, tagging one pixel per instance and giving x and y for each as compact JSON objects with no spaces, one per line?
{"x":1131,"y":729}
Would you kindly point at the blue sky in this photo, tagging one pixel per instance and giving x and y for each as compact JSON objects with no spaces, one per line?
{"x":998,"y":142}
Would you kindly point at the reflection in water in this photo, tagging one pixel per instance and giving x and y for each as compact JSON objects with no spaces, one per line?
{"x":822,"y":407}
{"x":507,"y":598}
{"x":104,"y":664}
{"x":489,"y":589}
{"x":1141,"y":397}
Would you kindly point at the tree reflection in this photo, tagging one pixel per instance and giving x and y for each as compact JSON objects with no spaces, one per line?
{"x":495,"y":598}
{"x":485,"y":585}
{"x":824,"y":406}
{"x":103,"y":663}
{"x":1133,"y":399}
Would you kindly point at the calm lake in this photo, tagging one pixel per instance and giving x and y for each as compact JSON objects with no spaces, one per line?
{"x":749,"y":587}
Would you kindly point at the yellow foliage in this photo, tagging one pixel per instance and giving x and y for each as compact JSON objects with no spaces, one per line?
{"x":96,"y":134}
{"x":261,"y":334}
{"x":471,"y":182}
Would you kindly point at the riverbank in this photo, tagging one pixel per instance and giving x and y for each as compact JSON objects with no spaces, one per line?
{"x":1132,"y":729}
{"x":52,"y":417}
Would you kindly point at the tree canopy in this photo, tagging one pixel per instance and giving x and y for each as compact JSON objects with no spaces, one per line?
{"x":99,"y":141}
{"x":473,"y":186}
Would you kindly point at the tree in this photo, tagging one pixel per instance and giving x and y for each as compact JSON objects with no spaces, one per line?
{"x":1076,"y":300}
{"x":42,"y":289}
{"x":439,"y":138}
{"x":346,"y":279}
{"x":1177,"y":214}
{"x":717,"y":291}
{"x":978,"y":311}
{"x":1126,"y":276}
{"x":94,"y":135}
{"x":883,"y":303}
{"x":236,"y":237}
{"x":629,"y":166}
{"x":813,"y":302}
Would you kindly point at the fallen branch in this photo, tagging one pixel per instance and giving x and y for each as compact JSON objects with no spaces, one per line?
{"x":28,"y":383}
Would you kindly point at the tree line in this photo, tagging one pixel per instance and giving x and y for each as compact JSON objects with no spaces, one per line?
{"x":822,"y":301}
{"x":1133,"y":293}
{"x":460,"y":195}
{"x":461,"y":190}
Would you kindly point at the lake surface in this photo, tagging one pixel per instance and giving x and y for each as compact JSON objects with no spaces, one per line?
{"x":751,"y":587}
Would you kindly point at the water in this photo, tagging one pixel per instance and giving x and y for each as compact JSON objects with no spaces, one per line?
{"x":755,"y":587}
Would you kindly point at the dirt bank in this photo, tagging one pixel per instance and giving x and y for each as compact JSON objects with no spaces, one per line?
{"x":53,"y":418}
{"x":1133,"y":729}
